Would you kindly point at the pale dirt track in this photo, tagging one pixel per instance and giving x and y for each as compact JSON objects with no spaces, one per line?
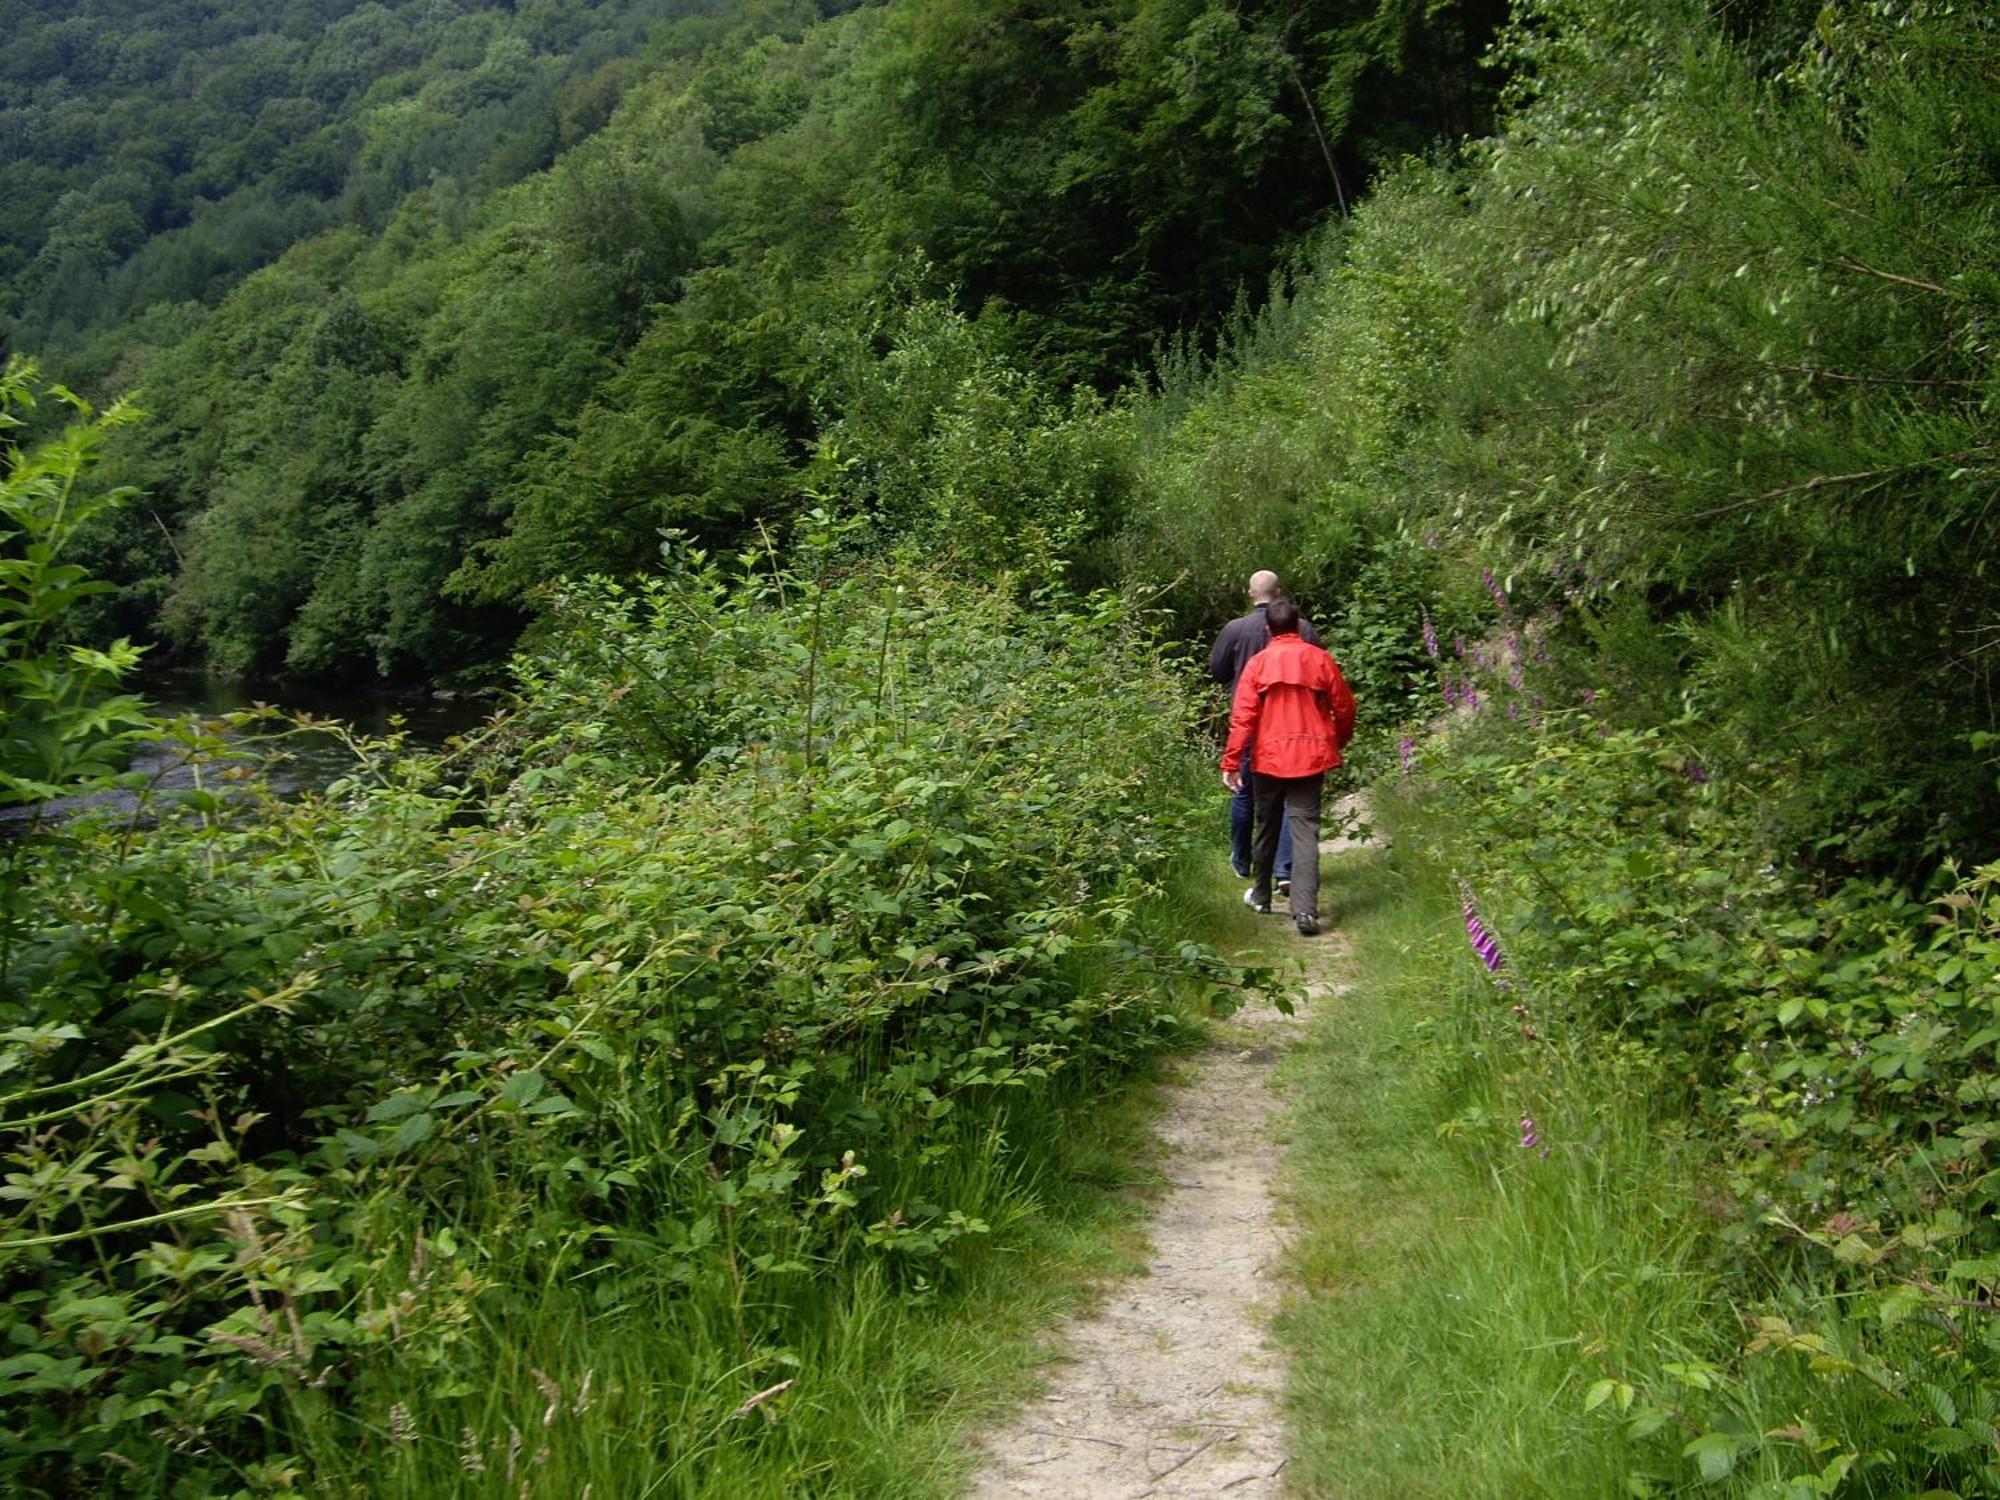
{"x":1172,"y":1388}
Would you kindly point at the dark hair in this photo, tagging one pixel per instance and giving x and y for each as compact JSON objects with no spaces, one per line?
{"x":1281,"y":616}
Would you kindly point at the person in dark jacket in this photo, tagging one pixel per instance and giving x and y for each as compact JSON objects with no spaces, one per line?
{"x":1241,"y":639}
{"x":1294,"y":706}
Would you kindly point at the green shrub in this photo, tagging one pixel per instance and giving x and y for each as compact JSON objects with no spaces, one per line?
{"x":1837,"y":1048}
{"x":313,"y":1101}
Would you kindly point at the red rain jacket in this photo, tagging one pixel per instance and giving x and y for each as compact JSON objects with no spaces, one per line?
{"x":1293,"y":703}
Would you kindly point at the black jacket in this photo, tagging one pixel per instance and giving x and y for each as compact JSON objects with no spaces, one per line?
{"x":1241,"y":639}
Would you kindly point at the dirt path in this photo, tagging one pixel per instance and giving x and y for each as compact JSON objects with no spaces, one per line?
{"x":1172,"y":1387}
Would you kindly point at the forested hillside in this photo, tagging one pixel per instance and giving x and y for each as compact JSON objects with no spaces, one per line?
{"x":788,"y":242}
{"x":861,"y":414}
{"x":158,"y":153}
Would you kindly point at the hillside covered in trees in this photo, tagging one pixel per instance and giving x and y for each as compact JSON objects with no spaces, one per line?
{"x":813,"y":417}
{"x":535,"y":328}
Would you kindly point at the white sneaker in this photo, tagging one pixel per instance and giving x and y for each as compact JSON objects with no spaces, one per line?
{"x":1262,"y":908}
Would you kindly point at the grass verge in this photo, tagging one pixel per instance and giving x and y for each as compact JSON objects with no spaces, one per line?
{"x":1462,"y":1279}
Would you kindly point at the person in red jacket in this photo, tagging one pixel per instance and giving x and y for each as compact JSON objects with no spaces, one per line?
{"x":1294,"y":706}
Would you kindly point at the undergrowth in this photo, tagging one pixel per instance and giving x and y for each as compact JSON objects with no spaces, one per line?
{"x":691,"y":1085}
{"x":1634,"y":1166}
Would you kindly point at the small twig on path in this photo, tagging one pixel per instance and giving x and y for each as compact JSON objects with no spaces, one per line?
{"x":1190,"y":1458}
{"x":1081,"y":1437}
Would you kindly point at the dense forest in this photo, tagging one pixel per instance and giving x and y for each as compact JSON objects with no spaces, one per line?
{"x":811,"y":418}
{"x":771,"y":242}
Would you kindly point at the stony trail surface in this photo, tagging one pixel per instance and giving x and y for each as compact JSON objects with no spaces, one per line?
{"x":1172,"y":1387}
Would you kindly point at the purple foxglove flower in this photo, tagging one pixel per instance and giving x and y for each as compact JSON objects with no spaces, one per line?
{"x":1406,"y":752}
{"x":1430,"y":636}
{"x":1483,"y":942}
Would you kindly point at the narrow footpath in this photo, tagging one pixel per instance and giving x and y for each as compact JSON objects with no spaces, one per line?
{"x":1173,"y":1387}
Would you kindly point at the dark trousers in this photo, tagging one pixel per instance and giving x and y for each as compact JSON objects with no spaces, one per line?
{"x":1243,"y":818}
{"x":1297,"y":798}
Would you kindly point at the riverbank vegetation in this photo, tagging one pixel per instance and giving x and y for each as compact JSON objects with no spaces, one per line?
{"x":658,"y":1055}
{"x":1636,"y":457}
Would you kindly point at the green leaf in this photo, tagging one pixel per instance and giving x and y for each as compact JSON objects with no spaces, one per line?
{"x":522,"y":1089}
{"x":395,"y":1107}
{"x":1714,"y":1454}
{"x":413,"y":1131}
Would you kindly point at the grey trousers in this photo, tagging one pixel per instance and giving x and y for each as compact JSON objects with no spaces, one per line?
{"x":1298,"y":796}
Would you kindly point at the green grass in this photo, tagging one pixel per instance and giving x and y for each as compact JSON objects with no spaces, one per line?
{"x":892,"y":1366}
{"x":888,"y":1377}
{"x":1456,"y":1296}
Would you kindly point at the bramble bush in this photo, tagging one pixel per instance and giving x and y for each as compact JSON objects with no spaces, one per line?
{"x":762,"y":943}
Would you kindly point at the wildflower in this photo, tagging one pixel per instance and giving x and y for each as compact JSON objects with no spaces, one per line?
{"x":1694,"y":771}
{"x":1493,"y":588}
{"x":1430,"y":636}
{"x":1483,"y":942}
{"x":1529,"y":1140}
{"x":1406,"y":752}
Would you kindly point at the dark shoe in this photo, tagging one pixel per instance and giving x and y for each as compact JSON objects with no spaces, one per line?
{"x":1262,"y":908}
{"x":1242,"y":871}
{"x":1284,"y":885}
{"x":1308,"y":926}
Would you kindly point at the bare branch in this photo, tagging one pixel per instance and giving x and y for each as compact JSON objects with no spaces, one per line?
{"x":1922,"y":286}
{"x":1821,"y":481}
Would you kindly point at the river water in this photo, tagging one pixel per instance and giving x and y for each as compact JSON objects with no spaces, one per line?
{"x":299,"y":762}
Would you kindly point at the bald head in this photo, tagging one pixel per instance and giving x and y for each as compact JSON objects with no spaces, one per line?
{"x":1263,"y":586}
